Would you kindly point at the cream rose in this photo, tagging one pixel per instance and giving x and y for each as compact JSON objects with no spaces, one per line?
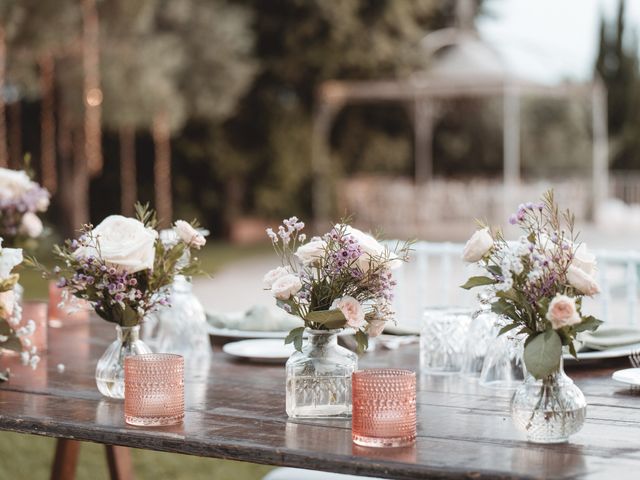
{"x":31,"y":225}
{"x":190,"y":235}
{"x":582,"y":281}
{"x":375,"y":327}
{"x":7,"y":302}
{"x":584,"y":260}
{"x":286,"y":286}
{"x":563,"y":312}
{"x":312,"y":251}
{"x":13,"y":183}
{"x":373,"y":252}
{"x":351,"y":309}
{"x":477,"y":246}
{"x":9,"y":258}
{"x":272,"y":275}
{"x":125,"y":243}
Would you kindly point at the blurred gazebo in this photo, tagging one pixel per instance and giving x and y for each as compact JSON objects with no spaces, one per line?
{"x":460,"y":64}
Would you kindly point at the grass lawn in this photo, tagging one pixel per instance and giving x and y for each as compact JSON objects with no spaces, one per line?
{"x":29,"y":457}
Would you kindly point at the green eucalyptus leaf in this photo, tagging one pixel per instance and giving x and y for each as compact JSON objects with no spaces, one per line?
{"x":588,"y":323}
{"x":542,"y":354}
{"x":478,"y":281}
{"x":295,"y":337}
{"x":507,"y":328}
{"x":363,"y":341}
{"x":328,"y":318}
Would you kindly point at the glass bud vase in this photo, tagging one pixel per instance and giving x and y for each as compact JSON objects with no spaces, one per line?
{"x":549,"y":410}
{"x":319,"y":377}
{"x":110,"y":368}
{"x":180,"y":328}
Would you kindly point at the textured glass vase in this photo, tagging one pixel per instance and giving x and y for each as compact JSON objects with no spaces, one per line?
{"x":181,"y":328}
{"x":319,"y":378}
{"x":110,"y":368}
{"x":549,"y":410}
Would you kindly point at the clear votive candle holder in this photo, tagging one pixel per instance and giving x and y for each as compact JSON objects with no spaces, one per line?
{"x":384,"y":407}
{"x":154,"y":389}
{"x":442,"y":339}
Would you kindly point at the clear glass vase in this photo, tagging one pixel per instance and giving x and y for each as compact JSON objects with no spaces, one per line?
{"x":180,"y":328}
{"x":110,"y":368}
{"x":319,"y":377}
{"x":549,"y":410}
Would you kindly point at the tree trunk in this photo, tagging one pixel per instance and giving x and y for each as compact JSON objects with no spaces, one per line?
{"x":80,"y":187}
{"x":162,"y":169}
{"x":92,"y":92}
{"x":47,"y":123}
{"x":128,"y":182}
{"x":15,"y":135}
{"x":4,"y":156}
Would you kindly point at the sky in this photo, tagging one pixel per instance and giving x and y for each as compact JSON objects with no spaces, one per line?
{"x":550,"y":40}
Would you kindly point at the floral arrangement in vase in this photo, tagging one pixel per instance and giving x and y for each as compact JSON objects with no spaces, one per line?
{"x":21,"y":200}
{"x":13,"y":334}
{"x":539,"y":283}
{"x":123,"y":270}
{"x":342,"y":279}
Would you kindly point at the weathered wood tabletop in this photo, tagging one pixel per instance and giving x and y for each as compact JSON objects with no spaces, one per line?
{"x":236,"y":410}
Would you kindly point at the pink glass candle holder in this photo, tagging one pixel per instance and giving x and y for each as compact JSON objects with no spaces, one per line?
{"x":154,"y":389}
{"x":38,"y":312}
{"x":384,"y":407}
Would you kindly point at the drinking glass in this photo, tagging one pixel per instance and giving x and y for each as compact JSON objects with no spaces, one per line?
{"x":442,"y":339}
{"x":154,"y":389}
{"x":384,"y":407}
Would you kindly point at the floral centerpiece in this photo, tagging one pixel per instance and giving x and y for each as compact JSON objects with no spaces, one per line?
{"x":13,"y":334}
{"x":340,"y":280}
{"x":539,"y":282}
{"x":123,"y":270}
{"x":21,"y":200}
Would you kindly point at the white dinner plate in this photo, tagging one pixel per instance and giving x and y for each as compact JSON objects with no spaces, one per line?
{"x":230,"y":333}
{"x":628,"y":375}
{"x":617,"y":352}
{"x":260,"y":350}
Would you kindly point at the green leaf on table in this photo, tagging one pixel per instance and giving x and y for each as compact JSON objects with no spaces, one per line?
{"x":588,"y":323}
{"x":478,"y":282}
{"x":328,"y":318}
{"x":295,"y":337}
{"x":542,"y":354}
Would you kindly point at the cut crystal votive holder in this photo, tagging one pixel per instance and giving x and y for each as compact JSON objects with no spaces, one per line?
{"x":154,"y":389}
{"x":384,"y":407}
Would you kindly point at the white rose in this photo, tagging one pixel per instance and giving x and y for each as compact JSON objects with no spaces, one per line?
{"x":563,"y":312}
{"x":373,"y":251}
{"x":9,"y":258}
{"x":31,"y":225}
{"x":43,"y":203}
{"x":312,"y":251}
{"x":584,"y":260}
{"x":351,"y":309}
{"x":13,"y":183}
{"x":582,"y":281}
{"x":286,"y":286}
{"x":375,"y":327}
{"x":477,"y":246}
{"x":7,"y":302}
{"x":125,"y":243}
{"x":190,"y":235}
{"x":272,"y":275}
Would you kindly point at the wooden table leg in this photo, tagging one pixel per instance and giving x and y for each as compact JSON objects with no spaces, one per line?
{"x":65,"y":460}
{"x":119,"y":461}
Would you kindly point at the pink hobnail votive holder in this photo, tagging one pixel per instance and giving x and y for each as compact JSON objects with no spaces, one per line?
{"x":38,"y":312}
{"x":384,"y":407}
{"x":154,"y":389}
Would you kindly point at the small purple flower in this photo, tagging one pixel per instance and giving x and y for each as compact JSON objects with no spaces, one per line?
{"x":119,"y":297}
{"x":513,"y":219}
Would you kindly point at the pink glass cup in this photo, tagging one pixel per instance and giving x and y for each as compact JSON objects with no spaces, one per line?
{"x":384,"y":407}
{"x":154,"y":389}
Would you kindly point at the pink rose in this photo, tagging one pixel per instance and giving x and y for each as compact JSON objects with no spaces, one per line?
{"x":582,"y":281}
{"x":563,"y":312}
{"x":286,"y":286}
{"x":351,"y":309}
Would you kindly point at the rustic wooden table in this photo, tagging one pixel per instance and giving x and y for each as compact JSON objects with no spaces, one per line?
{"x":236,"y":410}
